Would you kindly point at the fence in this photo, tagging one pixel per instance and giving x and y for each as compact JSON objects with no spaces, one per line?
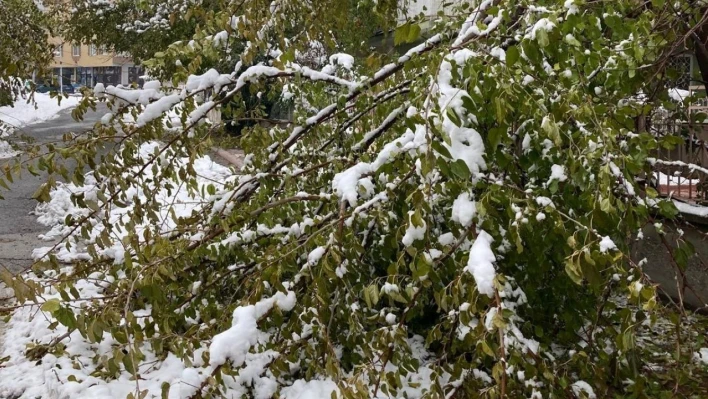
{"x":680,"y":172}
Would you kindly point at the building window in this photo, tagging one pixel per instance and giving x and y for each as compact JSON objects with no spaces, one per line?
{"x":58,"y":50}
{"x":102,"y":50}
{"x":76,"y":50}
{"x":92,"y":49}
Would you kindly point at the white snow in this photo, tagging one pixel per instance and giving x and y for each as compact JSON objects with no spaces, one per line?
{"x":346,"y":61}
{"x":446,"y":239}
{"x":24,"y":113}
{"x":571,"y":7}
{"x":182,"y":203}
{"x":345,"y":183}
{"x":679,"y":95}
{"x":481,"y":263}
{"x":584,"y":387}
{"x":545,"y":201}
{"x":313,"y":389}
{"x":667,"y":180}
{"x":463,"y":209}
{"x":606,"y":244}
{"x":413,"y":233}
{"x":235,"y":343}
{"x":467,"y":145}
{"x":695,"y":210}
{"x":314,"y":257}
{"x":558,"y":173}
{"x":702,"y":356}
{"x":6,"y":151}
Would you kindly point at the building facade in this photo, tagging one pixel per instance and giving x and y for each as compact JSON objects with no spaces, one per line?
{"x":88,"y":64}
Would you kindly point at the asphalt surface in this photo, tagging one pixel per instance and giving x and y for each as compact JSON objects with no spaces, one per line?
{"x":18,"y":226}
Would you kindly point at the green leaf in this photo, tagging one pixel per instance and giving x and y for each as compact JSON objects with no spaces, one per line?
{"x":400,"y":35}
{"x":495,"y":136}
{"x":668,"y":209}
{"x":500,"y":110}
{"x":460,"y":169}
{"x":454,"y":117}
{"x":572,"y":269}
{"x":542,"y":37}
{"x":128,"y":363}
{"x":413,"y":33}
{"x":512,"y":55}
{"x":51,"y":305}
{"x":441,"y":149}
{"x":42,"y":193}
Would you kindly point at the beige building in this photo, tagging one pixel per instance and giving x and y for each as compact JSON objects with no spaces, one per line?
{"x":89,"y":64}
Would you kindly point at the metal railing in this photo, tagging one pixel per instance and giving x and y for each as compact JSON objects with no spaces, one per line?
{"x":681,"y":172}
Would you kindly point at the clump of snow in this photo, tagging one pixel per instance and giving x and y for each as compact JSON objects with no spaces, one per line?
{"x":679,"y":95}
{"x":391,"y":318}
{"x":389,"y":288}
{"x":558,"y":173}
{"x":345,"y":183}
{"x":583,"y":387}
{"x":446,"y":239}
{"x":481,"y":263}
{"x":235,"y":343}
{"x":413,"y":232}
{"x":545,"y":201}
{"x":346,"y":61}
{"x":463,"y":209}
{"x":571,"y":7}
{"x":313,"y":389}
{"x":606,"y":244}
{"x":702,"y":356}
{"x":314,"y":257}
{"x":465,"y":144}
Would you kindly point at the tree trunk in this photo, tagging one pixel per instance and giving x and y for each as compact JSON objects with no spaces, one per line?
{"x":700,"y":45}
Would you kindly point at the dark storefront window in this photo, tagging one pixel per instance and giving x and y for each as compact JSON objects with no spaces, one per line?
{"x":66,"y":73}
{"x":84,"y":76}
{"x":107,"y":75}
{"x":134,"y":75}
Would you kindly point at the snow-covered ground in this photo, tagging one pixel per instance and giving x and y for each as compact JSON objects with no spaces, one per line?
{"x":44,"y":108}
{"x":6,"y":150}
{"x":57,"y":377}
{"x":26,"y":112}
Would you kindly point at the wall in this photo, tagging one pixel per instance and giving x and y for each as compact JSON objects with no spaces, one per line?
{"x":661,"y":269}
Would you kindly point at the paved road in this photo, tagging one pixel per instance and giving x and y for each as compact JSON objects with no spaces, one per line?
{"x":18,"y":227}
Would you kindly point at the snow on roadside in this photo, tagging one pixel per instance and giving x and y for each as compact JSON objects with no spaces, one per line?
{"x":64,"y":377}
{"x":6,"y":151}
{"x":182,"y":202}
{"x":23,"y":113}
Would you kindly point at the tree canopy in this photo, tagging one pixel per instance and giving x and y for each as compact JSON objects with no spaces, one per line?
{"x":24,"y":48}
{"x":452,"y":221}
